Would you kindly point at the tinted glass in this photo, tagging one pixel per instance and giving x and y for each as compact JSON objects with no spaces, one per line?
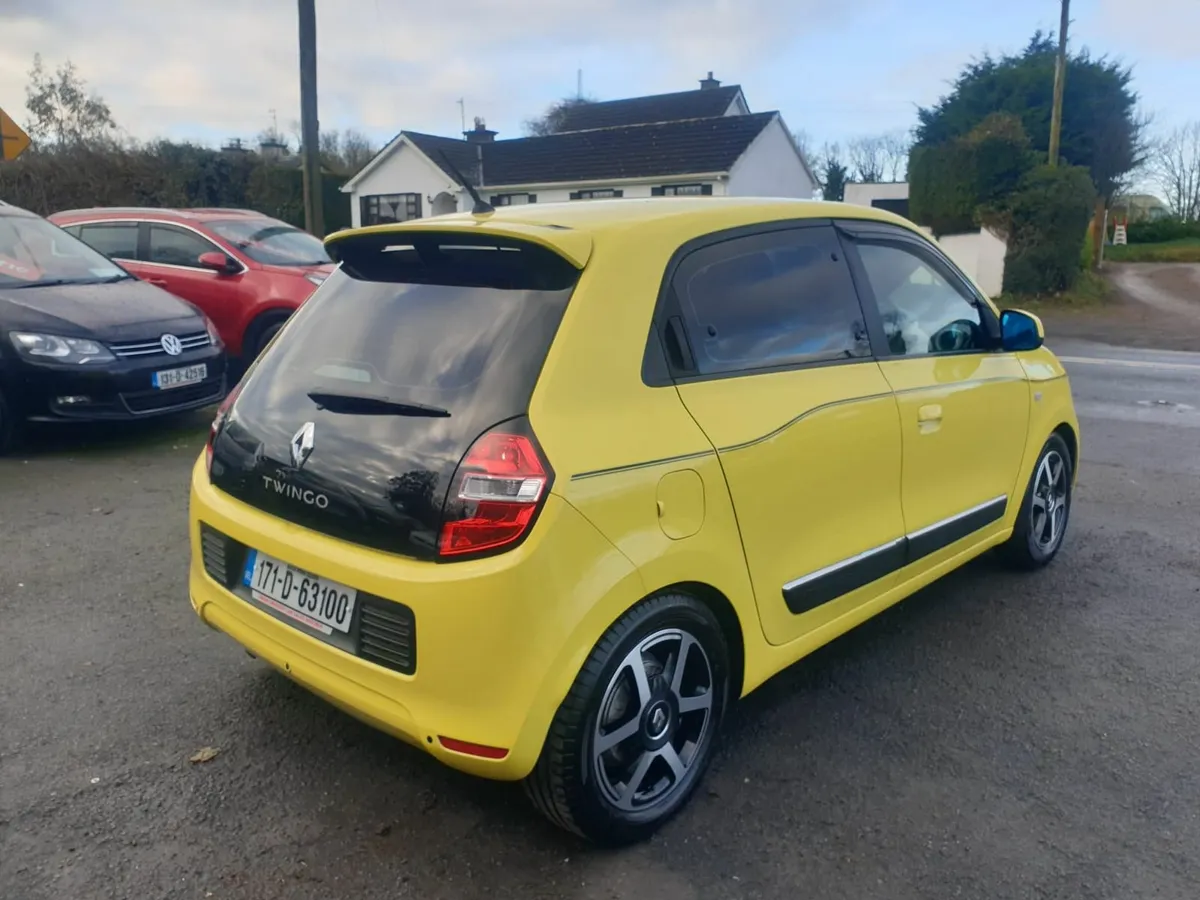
{"x":922,"y":312}
{"x":33,"y":251}
{"x":769,"y":300}
{"x":424,"y":356}
{"x":119,"y":241}
{"x":177,"y":247}
{"x":272,"y":242}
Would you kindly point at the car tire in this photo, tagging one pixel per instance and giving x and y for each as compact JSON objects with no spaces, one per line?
{"x":1045,"y":510}
{"x":12,"y":430}
{"x":660,"y":727}
{"x":262,"y":332}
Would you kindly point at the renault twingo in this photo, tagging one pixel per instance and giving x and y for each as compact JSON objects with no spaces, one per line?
{"x":542,"y":491}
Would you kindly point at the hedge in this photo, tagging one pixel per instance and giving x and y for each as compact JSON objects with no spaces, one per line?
{"x":1048,"y":218}
{"x":1161,"y":231}
{"x":164,"y":175}
{"x":941,"y":188}
{"x":952,"y":187}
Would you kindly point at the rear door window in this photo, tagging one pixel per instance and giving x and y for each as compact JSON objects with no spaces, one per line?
{"x":782,"y":298}
{"x":116,"y":240}
{"x":178,"y":246}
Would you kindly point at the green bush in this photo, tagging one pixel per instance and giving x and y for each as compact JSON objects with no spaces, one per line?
{"x":1048,"y":220}
{"x":941,"y":188}
{"x":1161,"y":231}
{"x":955,"y":186}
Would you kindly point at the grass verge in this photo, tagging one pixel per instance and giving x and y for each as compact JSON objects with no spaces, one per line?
{"x":1181,"y":250}
{"x":1090,"y":290}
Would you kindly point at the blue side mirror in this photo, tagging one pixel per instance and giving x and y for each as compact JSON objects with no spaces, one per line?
{"x":1020,"y":331}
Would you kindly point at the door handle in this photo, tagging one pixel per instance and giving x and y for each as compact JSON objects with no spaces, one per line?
{"x":157,"y":282}
{"x":930,"y":413}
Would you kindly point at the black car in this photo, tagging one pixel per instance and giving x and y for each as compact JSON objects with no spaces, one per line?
{"x":83,"y":340}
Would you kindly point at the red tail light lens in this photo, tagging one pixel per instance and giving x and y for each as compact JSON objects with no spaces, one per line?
{"x":497,"y":491}
{"x":218,"y":421}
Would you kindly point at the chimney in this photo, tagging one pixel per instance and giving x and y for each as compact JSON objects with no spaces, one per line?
{"x":480,"y":133}
{"x":707,"y":84}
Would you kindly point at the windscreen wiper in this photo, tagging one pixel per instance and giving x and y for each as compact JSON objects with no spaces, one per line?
{"x":357,"y":404}
{"x":49,"y":282}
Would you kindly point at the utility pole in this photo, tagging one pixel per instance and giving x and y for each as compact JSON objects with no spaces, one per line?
{"x":1060,"y":76}
{"x":314,"y":219}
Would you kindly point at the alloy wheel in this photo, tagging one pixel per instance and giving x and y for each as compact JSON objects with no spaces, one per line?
{"x":1048,"y":510}
{"x":655,"y":715}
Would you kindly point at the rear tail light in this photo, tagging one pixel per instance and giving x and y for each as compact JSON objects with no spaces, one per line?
{"x":217,"y":423}
{"x":497,"y":491}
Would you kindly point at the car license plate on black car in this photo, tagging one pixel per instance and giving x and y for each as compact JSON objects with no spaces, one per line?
{"x":173,"y":378}
{"x":319,"y":603}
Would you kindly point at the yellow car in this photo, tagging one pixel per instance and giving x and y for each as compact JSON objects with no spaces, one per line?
{"x":542,"y":491}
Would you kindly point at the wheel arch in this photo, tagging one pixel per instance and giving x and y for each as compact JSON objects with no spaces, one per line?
{"x":261,"y":320}
{"x":1067,"y":433}
{"x":731,"y":624}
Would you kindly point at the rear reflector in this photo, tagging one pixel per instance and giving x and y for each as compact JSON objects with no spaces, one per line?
{"x":480,"y":750}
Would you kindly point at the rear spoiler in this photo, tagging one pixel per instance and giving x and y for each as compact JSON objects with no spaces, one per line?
{"x":456,"y":256}
{"x":573,"y":246}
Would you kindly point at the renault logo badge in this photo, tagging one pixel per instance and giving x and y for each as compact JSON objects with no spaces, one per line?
{"x":302,"y":444}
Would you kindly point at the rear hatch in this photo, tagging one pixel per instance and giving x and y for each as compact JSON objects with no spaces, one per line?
{"x":354,"y":423}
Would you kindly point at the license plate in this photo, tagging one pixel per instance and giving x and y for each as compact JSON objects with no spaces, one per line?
{"x":173,"y":378}
{"x":319,"y":603}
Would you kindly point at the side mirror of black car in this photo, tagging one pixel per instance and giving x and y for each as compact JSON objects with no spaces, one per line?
{"x":219,"y":262}
{"x":1020,"y":331}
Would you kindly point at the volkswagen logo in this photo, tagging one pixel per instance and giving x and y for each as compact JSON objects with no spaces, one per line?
{"x":171,"y":345}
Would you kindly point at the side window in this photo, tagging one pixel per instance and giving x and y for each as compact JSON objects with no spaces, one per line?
{"x":177,"y":247}
{"x":775,"y":299}
{"x":922,"y":312}
{"x":116,"y":241}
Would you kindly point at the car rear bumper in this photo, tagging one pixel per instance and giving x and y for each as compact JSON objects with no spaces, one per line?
{"x":120,"y":391}
{"x":498,"y":641}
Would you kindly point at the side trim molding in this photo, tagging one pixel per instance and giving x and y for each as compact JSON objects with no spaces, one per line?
{"x":820,"y":587}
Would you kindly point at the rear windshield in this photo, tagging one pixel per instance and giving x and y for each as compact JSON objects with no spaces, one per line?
{"x":404,"y":342}
{"x":446,"y":324}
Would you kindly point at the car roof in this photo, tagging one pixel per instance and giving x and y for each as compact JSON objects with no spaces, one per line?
{"x":7,"y":209}
{"x":200,"y":214}
{"x":570,"y":227}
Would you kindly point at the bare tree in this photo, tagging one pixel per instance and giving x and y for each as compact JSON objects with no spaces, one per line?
{"x":882,"y":157}
{"x":868,"y":157}
{"x":554,"y":119}
{"x":63,"y":111}
{"x":1175,"y":163}
{"x":346,"y":151}
{"x":357,"y":150}
{"x":896,"y":147}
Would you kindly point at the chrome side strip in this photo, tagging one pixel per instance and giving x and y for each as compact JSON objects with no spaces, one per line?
{"x":838,"y":566}
{"x":891,"y":545}
{"x":962,"y":515}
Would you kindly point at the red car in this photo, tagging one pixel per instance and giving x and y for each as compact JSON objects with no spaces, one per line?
{"x":246,"y":271}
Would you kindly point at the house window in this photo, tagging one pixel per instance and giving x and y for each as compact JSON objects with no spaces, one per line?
{"x":380,"y":208}
{"x":597,"y":194}
{"x":513,"y":199}
{"x":682,"y":190}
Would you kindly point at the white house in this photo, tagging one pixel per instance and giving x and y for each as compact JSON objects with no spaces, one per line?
{"x":703,"y":142}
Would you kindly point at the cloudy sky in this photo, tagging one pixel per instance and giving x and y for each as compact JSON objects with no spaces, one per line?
{"x":835,"y":68}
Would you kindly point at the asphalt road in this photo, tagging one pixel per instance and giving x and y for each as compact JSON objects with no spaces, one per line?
{"x":995,"y":736}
